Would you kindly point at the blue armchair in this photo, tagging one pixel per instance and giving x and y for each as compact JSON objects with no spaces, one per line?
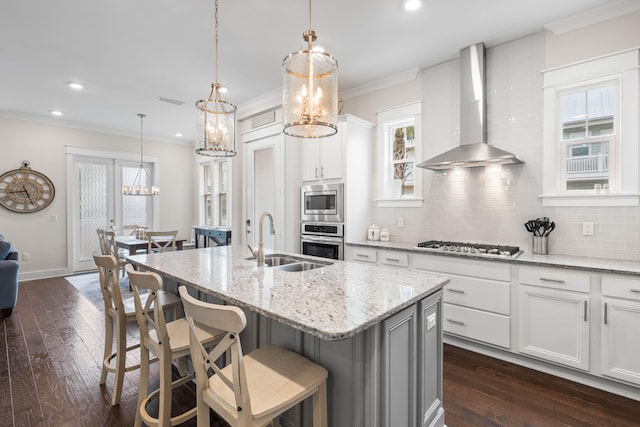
{"x":8,"y":277}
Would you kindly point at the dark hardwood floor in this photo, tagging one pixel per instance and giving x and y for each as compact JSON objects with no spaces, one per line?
{"x":50,"y":351}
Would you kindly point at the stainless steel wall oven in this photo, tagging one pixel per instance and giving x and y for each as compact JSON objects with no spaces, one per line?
{"x":324,"y":240}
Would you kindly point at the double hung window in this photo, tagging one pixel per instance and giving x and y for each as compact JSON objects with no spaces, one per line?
{"x":215,"y":193}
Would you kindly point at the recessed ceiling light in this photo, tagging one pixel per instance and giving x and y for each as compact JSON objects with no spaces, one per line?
{"x":179,"y":135}
{"x":411,"y":5}
{"x":75,"y":85}
{"x":55,"y":113}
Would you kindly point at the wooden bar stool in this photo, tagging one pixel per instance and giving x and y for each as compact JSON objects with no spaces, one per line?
{"x":117,"y":313}
{"x":168,"y":341}
{"x":254,"y":389}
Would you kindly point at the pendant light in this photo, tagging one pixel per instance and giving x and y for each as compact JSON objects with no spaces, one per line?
{"x":310,"y":91}
{"x":142,"y":184}
{"x":216,"y":118}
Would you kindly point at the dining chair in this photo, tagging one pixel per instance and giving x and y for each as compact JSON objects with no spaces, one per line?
{"x":112,"y":248}
{"x":117,"y":313}
{"x":168,"y":341}
{"x":129,"y":230}
{"x":253,"y":389}
{"x":102,"y":241}
{"x":161,"y":241}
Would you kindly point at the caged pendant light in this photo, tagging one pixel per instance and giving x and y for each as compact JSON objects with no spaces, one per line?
{"x":142,"y":184}
{"x":310,"y":91}
{"x":216,"y":118}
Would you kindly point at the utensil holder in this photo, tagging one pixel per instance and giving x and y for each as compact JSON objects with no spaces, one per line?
{"x":540,"y":245}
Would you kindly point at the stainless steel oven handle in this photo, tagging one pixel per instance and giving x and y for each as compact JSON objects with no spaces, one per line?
{"x":314,"y":238}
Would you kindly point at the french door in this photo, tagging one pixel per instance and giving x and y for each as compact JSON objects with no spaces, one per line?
{"x":97,"y":202}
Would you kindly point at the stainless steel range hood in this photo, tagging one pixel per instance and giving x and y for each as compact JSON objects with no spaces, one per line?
{"x":473,"y":149}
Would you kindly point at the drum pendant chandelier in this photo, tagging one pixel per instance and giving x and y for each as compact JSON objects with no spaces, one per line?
{"x":142,"y":184}
{"x":216,"y":118}
{"x":310,"y":91}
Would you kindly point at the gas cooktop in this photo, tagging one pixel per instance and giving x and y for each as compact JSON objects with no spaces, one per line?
{"x":475,"y":249}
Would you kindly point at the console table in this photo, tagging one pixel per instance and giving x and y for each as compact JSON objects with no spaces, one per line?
{"x":221,"y":236}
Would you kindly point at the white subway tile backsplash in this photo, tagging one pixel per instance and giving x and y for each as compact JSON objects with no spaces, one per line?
{"x":492,"y":206}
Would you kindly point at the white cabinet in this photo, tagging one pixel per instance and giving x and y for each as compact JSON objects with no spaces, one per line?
{"x":477,"y":300}
{"x":393,"y":258}
{"x":322,"y":158}
{"x":360,"y":254}
{"x":554,"y":319}
{"x":620,"y":345}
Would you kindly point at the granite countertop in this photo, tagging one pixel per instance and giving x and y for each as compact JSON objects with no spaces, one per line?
{"x":333,"y":302}
{"x":601,"y":265}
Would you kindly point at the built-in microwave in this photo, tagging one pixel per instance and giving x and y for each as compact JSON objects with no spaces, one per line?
{"x":322,"y":203}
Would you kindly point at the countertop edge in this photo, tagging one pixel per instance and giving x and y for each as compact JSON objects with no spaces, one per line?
{"x":598,"y":265}
{"x":337,"y":336}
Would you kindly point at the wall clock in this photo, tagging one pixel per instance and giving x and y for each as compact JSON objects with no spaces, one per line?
{"x":25,"y":190}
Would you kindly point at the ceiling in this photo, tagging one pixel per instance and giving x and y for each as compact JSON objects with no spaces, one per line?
{"x":128,"y":53}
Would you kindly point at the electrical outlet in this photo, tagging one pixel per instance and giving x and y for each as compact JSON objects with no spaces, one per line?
{"x":587,"y":229}
{"x":26,"y":256}
{"x":54,"y":218}
{"x":400,"y":221}
{"x":431,"y":321}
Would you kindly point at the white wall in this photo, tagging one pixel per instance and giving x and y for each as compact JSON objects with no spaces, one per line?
{"x":44,"y":146}
{"x":490,"y":206}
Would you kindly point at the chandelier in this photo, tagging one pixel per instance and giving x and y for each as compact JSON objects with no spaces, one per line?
{"x":142,"y":184}
{"x":310,"y":91}
{"x":216,"y":118}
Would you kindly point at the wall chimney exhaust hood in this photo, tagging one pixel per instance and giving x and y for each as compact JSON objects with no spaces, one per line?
{"x":473,"y":149}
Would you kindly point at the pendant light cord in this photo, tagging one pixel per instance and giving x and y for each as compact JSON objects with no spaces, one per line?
{"x":216,"y":18}
{"x":142,"y":116}
{"x":309,"y":14}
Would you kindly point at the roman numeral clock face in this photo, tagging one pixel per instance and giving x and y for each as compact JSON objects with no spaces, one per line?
{"x":25,"y":190}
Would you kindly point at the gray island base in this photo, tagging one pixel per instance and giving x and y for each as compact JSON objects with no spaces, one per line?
{"x":377,"y":330}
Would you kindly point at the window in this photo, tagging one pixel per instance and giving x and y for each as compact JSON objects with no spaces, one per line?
{"x":588,"y":128}
{"x":590,"y":148}
{"x":215,"y":190}
{"x":399,"y":182}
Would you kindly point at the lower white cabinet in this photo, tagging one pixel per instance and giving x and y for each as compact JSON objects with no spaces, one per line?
{"x":620,"y":330}
{"x":554,"y":320}
{"x":477,"y":300}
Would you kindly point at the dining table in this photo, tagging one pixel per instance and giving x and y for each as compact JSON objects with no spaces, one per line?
{"x":134,"y":245}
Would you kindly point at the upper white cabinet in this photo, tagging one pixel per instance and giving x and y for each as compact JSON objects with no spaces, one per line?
{"x":322,"y":158}
{"x":620,"y":346}
{"x":554,"y":319}
{"x":333,"y":158}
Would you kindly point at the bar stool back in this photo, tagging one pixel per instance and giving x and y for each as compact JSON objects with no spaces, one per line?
{"x":253,"y":389}
{"x":168,"y":341}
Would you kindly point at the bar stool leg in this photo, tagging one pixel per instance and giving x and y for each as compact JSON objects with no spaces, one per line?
{"x":108,"y":346}
{"x":144,"y":383}
{"x":320,"y":406}
{"x":121,"y":359}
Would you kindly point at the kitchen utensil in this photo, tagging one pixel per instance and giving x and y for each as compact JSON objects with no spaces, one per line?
{"x":549,"y":228}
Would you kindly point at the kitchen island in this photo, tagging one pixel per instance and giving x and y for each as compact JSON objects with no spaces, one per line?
{"x":377,"y":330}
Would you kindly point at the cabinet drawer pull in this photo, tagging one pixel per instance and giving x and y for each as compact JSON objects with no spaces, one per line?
{"x":393,"y":259}
{"x":455,"y":291}
{"x":457,"y":322}
{"x":362,"y":255}
{"x":586,"y":304}
{"x":605,"y":313}
{"x":322,"y":171}
{"x":635,"y":291}
{"x":544,"y":279}
{"x":316,"y":171}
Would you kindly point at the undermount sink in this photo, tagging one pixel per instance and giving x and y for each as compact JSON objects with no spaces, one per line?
{"x":293,"y":264}
{"x":277,"y":260}
{"x":301,"y":266}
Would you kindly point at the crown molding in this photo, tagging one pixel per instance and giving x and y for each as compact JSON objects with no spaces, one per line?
{"x":392,"y":80}
{"x":593,"y":16}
